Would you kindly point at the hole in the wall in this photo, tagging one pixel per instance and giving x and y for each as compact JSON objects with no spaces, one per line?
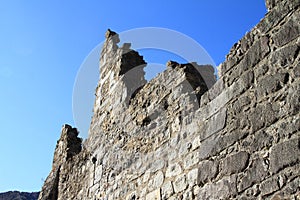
{"x":133,"y":197}
{"x":146,"y":121}
{"x":94,"y":160}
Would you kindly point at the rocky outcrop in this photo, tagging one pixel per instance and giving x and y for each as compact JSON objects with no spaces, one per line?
{"x":180,"y":137}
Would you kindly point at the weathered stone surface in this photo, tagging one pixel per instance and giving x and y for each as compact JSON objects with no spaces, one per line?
{"x":207,"y":171}
{"x":257,"y":172}
{"x":234,"y":163}
{"x":173,"y":170}
{"x":284,"y":154}
{"x":179,"y":136}
{"x":288,"y":32}
{"x":180,"y":183}
{"x":191,"y":160}
{"x":167,"y":190}
{"x":155,"y":195}
{"x":67,"y":146}
{"x":192,"y":177}
{"x":223,"y":189}
{"x":272,"y":83}
{"x":269,"y":186}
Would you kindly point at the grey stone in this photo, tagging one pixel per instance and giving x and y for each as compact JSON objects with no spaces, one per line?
{"x":234,"y":163}
{"x":188,"y":195}
{"x":152,"y":141}
{"x":272,"y":83}
{"x":254,"y":174}
{"x":287,"y":33}
{"x":223,"y":189}
{"x":207,"y":171}
{"x":215,"y":124}
{"x":269,"y":186}
{"x":284,"y":154}
{"x":285,"y":56}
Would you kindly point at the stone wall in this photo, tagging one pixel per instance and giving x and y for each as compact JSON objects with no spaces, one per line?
{"x":176,"y":138}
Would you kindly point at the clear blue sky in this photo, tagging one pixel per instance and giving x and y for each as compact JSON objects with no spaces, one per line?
{"x":43,"y":43}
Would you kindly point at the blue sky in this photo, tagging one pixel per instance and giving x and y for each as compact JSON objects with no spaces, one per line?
{"x":43,"y":43}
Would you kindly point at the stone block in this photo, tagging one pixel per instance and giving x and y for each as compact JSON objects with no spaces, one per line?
{"x":271,"y":83}
{"x":180,"y":183}
{"x":158,"y":179}
{"x":188,"y":195}
{"x":167,"y":190}
{"x":207,"y":171}
{"x":284,"y":154}
{"x":234,"y":163}
{"x":157,"y":165}
{"x":154,"y":195}
{"x":257,"y":172}
{"x":287,"y":33}
{"x":173,"y":170}
{"x":269,"y":186}
{"x":223,"y":189}
{"x":192,"y":177}
{"x":191,"y":159}
{"x":214,"y":124}
{"x":284,"y":57}
{"x":260,"y":141}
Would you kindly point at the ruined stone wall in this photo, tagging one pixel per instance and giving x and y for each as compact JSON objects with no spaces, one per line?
{"x":176,"y":138}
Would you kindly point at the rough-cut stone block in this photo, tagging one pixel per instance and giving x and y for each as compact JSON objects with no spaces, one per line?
{"x":284,"y":154}
{"x":157,"y":165}
{"x":269,"y":186}
{"x":167,"y":190}
{"x":207,"y":171}
{"x":158,"y":179}
{"x":191,"y":159}
{"x":257,"y":52}
{"x":192,"y":177}
{"x":173,"y":170}
{"x":271,"y":83}
{"x":260,"y":140}
{"x":216,"y":89}
{"x":155,"y":195}
{"x":288,"y":32}
{"x":180,"y":183}
{"x":257,"y":172}
{"x":284,"y":57}
{"x":188,"y":195}
{"x":234,"y":163}
{"x":214,"y":124}
{"x":223,"y":189}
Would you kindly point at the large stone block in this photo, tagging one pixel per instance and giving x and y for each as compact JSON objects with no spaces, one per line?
{"x":258,"y":171}
{"x":155,"y":195}
{"x":234,"y":163}
{"x":180,"y":183}
{"x":288,"y":32}
{"x":284,"y":154}
{"x":223,"y":189}
{"x":207,"y":171}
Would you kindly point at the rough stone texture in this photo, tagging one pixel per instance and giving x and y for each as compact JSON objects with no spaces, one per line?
{"x":284,"y":154}
{"x":180,"y":136}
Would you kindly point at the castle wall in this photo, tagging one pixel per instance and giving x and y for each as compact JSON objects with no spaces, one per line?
{"x":176,"y":138}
